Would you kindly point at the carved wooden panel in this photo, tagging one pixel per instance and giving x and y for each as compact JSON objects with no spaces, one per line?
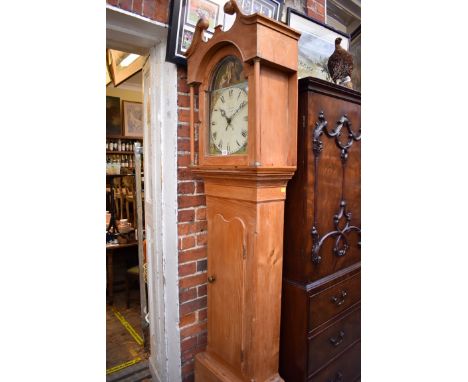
{"x":323,"y":204}
{"x":226,"y":278}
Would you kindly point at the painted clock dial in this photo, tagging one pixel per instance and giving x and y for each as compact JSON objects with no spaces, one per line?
{"x":228,"y":124}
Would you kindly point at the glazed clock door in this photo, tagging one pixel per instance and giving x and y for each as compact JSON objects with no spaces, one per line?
{"x":226,"y":274}
{"x":228,"y":115}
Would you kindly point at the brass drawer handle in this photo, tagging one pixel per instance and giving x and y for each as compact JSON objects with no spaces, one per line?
{"x":337,"y":378}
{"x":212,"y":279}
{"x":335,"y":341}
{"x":340,"y":299}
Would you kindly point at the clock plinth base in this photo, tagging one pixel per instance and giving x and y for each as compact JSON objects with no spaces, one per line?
{"x":209,"y":368}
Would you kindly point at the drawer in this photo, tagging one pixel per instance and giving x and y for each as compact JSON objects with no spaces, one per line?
{"x":329,"y":302}
{"x":346,"y":368}
{"x":333,"y":340}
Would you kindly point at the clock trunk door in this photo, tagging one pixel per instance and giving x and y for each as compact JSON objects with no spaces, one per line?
{"x":226,"y":274}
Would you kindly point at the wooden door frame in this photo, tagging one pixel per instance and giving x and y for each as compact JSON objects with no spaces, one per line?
{"x":131,"y":32}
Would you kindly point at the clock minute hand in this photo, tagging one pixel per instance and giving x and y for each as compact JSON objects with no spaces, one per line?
{"x":237,"y":110}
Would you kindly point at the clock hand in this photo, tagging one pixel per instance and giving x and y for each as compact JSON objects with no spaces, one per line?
{"x":223,"y":113}
{"x":237,"y":110}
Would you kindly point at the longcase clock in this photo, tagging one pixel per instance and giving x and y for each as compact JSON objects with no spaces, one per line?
{"x":246,"y":82}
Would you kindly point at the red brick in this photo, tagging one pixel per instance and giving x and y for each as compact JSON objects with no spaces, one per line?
{"x":183,"y":100}
{"x":162,"y":11}
{"x":183,"y":160}
{"x":186,"y":216}
{"x":181,"y":72}
{"x":202,"y":239}
{"x":320,"y":9}
{"x":188,"y":228}
{"x":187,"y":269}
{"x":193,"y":329}
{"x":182,"y":86}
{"x":187,"y":372}
{"x":200,"y":213}
{"x":202,"y":315}
{"x":185,"y":201}
{"x":113,"y":2}
{"x":192,"y":254}
{"x":186,"y":242}
{"x":192,"y":306}
{"x":202,"y":265}
{"x":186,"y":188}
{"x":316,"y":10}
{"x":187,"y":295}
{"x":183,"y":131}
{"x":184,"y":115}
{"x":125,"y":4}
{"x":185,"y":174}
{"x":149,"y":9}
{"x":202,"y":290}
{"x":189,"y":343}
{"x":138,"y":6}
{"x":191,"y":281}
{"x":200,"y":187}
{"x":187,"y":320}
{"x":183,"y":145}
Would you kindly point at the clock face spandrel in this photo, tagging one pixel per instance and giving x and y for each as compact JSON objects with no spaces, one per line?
{"x":228,"y":97}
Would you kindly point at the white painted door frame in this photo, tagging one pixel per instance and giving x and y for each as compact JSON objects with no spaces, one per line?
{"x":160,"y":161}
{"x":133,"y":33}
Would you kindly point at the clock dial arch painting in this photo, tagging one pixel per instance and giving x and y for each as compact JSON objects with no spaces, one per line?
{"x":228,"y":108}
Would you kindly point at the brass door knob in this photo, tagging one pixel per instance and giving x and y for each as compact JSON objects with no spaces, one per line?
{"x":212,"y":279}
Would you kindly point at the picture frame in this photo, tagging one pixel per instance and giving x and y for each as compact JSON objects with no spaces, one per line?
{"x":185,"y":14}
{"x":132,"y":119}
{"x":120,"y":73}
{"x":316,"y":44}
{"x":113,"y":121}
{"x":355,"y":50}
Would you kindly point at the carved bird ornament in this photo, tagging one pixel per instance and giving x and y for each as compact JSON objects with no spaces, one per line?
{"x":340,"y":65}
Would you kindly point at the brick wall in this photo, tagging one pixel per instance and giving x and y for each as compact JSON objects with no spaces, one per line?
{"x":316,"y":9}
{"x":192,"y":229}
{"x":153,"y":9}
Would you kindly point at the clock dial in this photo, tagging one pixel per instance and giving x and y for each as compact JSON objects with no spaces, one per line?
{"x":229,"y":121}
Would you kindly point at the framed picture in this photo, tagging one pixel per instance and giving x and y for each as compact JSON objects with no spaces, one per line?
{"x":113,"y":121}
{"x":186,"y":13}
{"x":316,"y":45}
{"x":132,"y":119}
{"x":355,"y":50}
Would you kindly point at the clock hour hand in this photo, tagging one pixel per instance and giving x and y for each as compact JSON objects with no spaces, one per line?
{"x":223,"y":113}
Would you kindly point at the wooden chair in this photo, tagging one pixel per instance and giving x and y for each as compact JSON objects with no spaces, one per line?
{"x":119,"y":196}
{"x":130,"y":199}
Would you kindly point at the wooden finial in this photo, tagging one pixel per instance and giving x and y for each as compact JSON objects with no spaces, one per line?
{"x":202,"y":25}
{"x":231,"y":7}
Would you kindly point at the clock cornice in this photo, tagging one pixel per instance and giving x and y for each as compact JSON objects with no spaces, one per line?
{"x":256,"y":43}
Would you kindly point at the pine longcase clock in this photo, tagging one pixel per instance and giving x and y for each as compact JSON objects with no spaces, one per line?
{"x":246,"y":82}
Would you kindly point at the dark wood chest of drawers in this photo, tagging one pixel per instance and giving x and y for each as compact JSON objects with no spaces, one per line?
{"x":320,"y":314}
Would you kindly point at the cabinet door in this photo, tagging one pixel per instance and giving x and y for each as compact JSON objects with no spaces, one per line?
{"x":226,"y":274}
{"x":333,"y":185}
